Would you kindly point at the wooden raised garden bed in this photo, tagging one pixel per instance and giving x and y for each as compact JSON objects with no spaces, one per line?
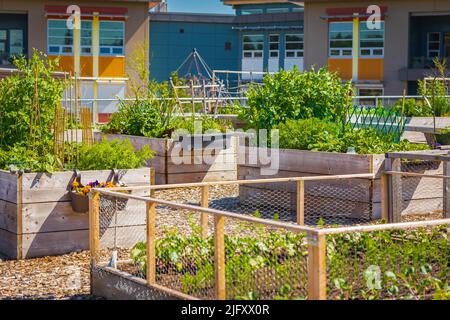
{"x":167,"y":167}
{"x":352,"y":197}
{"x":37,"y":219}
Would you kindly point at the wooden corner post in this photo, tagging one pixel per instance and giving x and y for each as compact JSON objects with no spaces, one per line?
{"x":317,"y":270}
{"x":301,"y":202}
{"x":151,"y":250}
{"x":385,"y":197}
{"x":152,"y":181}
{"x":204,"y":216}
{"x":446,"y":195}
{"x":94,"y":226}
{"x":219,"y":257}
{"x":395,"y":200}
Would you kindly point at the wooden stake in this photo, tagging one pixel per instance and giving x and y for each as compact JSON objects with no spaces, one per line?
{"x":219,"y":257}
{"x":385,"y":198}
{"x":317,"y":271}
{"x":152,"y":181}
{"x":204,"y":216}
{"x":396,"y":192}
{"x":446,"y":190}
{"x":151,"y":255}
{"x":94,"y":226}
{"x":301,"y":202}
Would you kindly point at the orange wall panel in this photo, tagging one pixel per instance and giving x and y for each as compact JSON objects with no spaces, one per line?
{"x":371,"y":69}
{"x":109,"y":67}
{"x":342,"y":66}
{"x":112,"y":67}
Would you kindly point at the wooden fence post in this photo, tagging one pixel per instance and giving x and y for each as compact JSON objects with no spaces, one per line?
{"x":385,"y":197}
{"x":395,"y":190}
{"x":204,"y":216}
{"x":446,"y":196}
{"x":94,"y":226}
{"x":152,"y":181}
{"x":301,"y":202}
{"x":151,"y":255}
{"x":317,"y":269}
{"x":219,"y":258}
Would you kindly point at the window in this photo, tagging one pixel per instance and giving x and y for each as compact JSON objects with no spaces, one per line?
{"x":294,"y":45}
{"x":252,"y":11}
{"x":433,"y":45}
{"x":278,"y":10}
{"x":60,"y":39}
{"x":371,"y":41}
{"x":112,"y":35}
{"x":367,"y":96}
{"x":341,"y":39}
{"x":253,"y":46}
{"x":274,"y":45}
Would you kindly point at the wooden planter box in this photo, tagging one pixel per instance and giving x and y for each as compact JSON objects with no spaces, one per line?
{"x":353,"y":195}
{"x":420,"y":196}
{"x":167,"y":167}
{"x":113,"y":284}
{"x":36,"y":216}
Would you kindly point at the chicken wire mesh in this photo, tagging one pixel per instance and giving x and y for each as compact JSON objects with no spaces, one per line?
{"x":264,"y":262}
{"x":422,"y":197}
{"x":341,"y":202}
{"x":394,"y":264}
{"x":261,"y":262}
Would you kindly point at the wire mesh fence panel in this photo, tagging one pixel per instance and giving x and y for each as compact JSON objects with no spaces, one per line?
{"x":122,"y":224}
{"x":394,"y":264}
{"x":422,"y":197}
{"x":184,"y":252}
{"x":263,"y":262}
{"x":344,"y":202}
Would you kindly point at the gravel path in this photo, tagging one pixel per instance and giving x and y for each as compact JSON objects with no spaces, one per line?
{"x":62,"y":277}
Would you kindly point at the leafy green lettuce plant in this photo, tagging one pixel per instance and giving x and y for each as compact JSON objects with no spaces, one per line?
{"x":319,"y":135}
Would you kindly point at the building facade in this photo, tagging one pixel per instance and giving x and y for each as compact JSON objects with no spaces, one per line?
{"x":387,"y":59}
{"x":263,"y":36}
{"x":122,"y":28}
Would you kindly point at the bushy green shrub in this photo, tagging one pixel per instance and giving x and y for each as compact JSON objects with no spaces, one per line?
{"x":137,"y":118}
{"x":297,"y":95}
{"x":116,"y":154}
{"x":147,"y":118}
{"x":318,"y":135}
{"x":413,"y":108}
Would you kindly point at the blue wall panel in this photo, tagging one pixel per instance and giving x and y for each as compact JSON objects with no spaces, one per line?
{"x":171,"y":43}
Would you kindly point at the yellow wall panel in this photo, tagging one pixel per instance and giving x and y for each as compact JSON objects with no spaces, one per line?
{"x":371,"y":69}
{"x":342,"y":66}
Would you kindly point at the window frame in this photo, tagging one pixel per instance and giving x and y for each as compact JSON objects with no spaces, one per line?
{"x":62,"y":47}
{"x":273,"y":50}
{"x":111,"y":52}
{"x":372,"y":49}
{"x":439,"y":42}
{"x":295,"y":51}
{"x":341,"y":50}
{"x":253,"y":53}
